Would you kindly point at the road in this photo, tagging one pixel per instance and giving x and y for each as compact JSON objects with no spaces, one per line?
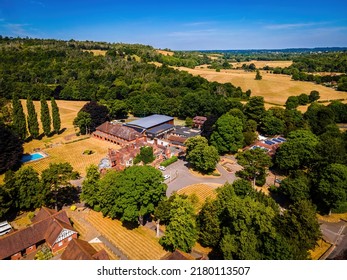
{"x":336,"y":234}
{"x":180,"y":177}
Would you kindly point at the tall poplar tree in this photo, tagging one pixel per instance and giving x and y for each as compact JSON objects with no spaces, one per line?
{"x":33,"y":124}
{"x":55,"y":116}
{"x":19,"y":123}
{"x":45,"y":117}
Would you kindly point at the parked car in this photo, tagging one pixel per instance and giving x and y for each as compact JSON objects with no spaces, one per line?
{"x":167,"y":176}
{"x":162,"y":168}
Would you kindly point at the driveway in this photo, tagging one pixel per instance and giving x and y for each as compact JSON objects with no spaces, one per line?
{"x":180,"y":177}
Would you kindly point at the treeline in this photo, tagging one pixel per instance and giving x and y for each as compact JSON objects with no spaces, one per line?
{"x":62,"y":70}
{"x":25,"y":190}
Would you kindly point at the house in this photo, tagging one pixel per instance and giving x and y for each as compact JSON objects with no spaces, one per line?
{"x":81,"y":250}
{"x":178,"y":255}
{"x":48,"y":226}
{"x":198,"y":121}
{"x":269,"y":145}
{"x":124,"y":157}
{"x":117,"y":133}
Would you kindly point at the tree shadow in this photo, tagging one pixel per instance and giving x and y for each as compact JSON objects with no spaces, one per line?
{"x":130,"y":225}
{"x":61,"y":131}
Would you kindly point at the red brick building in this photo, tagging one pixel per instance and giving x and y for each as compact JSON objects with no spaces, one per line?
{"x":117,"y":133}
{"x":48,"y":226}
{"x":198,"y":121}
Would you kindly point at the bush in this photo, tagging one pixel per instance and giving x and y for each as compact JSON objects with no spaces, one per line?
{"x":169,"y":161}
{"x":31,"y":215}
{"x":97,"y":208}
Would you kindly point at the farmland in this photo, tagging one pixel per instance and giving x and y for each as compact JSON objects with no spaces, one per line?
{"x":274,"y":88}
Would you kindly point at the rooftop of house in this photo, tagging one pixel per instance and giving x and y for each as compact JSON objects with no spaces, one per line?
{"x":186,"y":132}
{"x":150,"y":121}
{"x":47,"y":225}
{"x":81,"y":250}
{"x":118,"y":130}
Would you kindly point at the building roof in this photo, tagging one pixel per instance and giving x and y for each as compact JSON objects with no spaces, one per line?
{"x":118,"y":130}
{"x":178,"y":140}
{"x":166,"y":127}
{"x":150,"y":121}
{"x":178,"y":255}
{"x":187,"y":132}
{"x":81,"y":250}
{"x":44,"y":227}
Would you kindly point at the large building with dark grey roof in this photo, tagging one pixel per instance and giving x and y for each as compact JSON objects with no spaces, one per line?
{"x":154,"y":126}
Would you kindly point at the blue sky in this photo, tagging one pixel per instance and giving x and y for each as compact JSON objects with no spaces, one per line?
{"x":182,"y":25}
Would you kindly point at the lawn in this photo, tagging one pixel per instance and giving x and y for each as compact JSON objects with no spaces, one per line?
{"x":61,"y":147}
{"x":320,"y":249}
{"x":274,"y":88}
{"x":73,"y":153}
{"x":137,"y":244}
{"x":201,"y":191}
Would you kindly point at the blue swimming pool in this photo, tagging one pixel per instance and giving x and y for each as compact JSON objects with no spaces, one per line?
{"x":31,"y":157}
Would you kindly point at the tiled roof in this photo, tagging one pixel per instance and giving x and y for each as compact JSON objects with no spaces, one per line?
{"x":81,"y":250}
{"x":118,"y":130}
{"x":44,"y":227}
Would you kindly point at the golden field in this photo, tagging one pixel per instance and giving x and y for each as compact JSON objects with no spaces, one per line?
{"x":274,"y":88}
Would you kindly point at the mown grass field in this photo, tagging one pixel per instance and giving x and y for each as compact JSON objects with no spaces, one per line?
{"x":137,"y":244}
{"x":201,"y":191}
{"x":73,"y":153}
{"x":274,"y":88}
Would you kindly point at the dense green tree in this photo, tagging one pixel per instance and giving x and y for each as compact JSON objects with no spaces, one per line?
{"x":146,"y":155}
{"x":181,"y":232}
{"x":258,"y":76}
{"x":90,"y":190}
{"x":332,"y":146}
{"x":98,"y":114}
{"x":242,"y":188}
{"x":332,"y":186}
{"x":303,"y":99}
{"x":45,"y":116}
{"x":300,"y":227}
{"x":271,"y":125}
{"x":55,"y":116}
{"x":189,"y":122}
{"x":227,"y":136}
{"x":132,"y":193}
{"x":209,"y":224}
{"x":33,"y":125}
{"x":294,"y":120}
{"x":254,"y":163}
{"x":200,"y":155}
{"x":55,"y":180}
{"x":245,"y":222}
{"x":340,"y":111}
{"x":255,"y":109}
{"x":292,"y":102}
{"x":5,"y":202}
{"x":314,"y":96}
{"x":118,"y":108}
{"x":319,"y":117}
{"x":19,"y":124}
{"x":11,"y":149}
{"x":299,"y":151}
{"x":83,"y":122}
{"x":27,"y":183}
{"x":296,"y":186}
